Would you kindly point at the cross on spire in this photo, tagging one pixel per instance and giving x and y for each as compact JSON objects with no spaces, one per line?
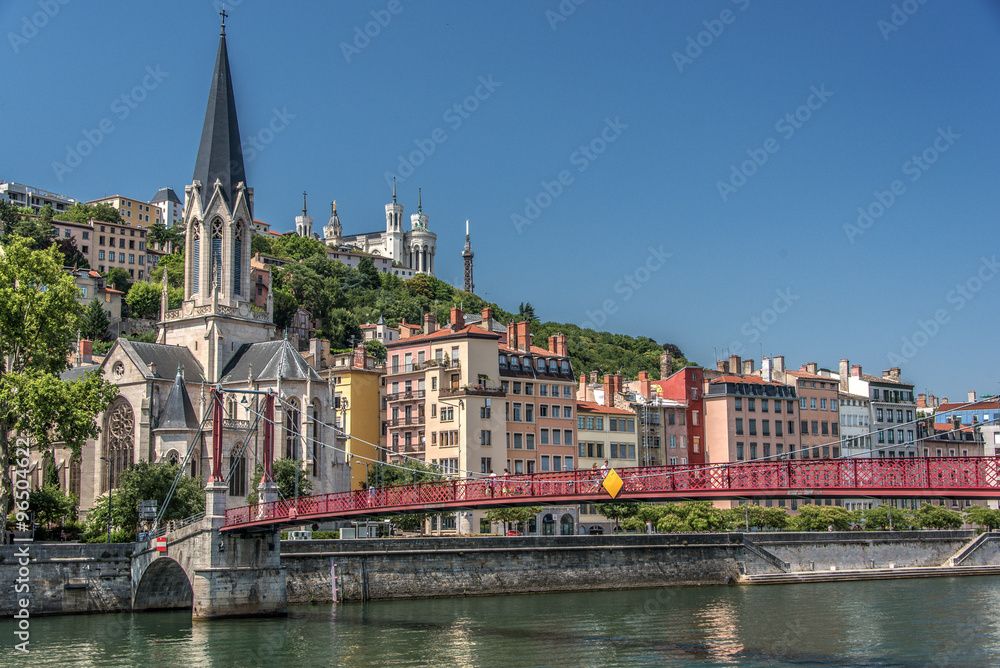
{"x":223,"y":14}
{"x":394,"y":190}
{"x":333,"y":207}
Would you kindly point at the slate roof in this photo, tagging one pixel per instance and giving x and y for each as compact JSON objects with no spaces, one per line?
{"x":166,"y":358}
{"x":78,"y":371}
{"x":220,"y":155}
{"x":165,"y":195}
{"x":264,"y":360}
{"x":178,"y":413}
{"x":474,"y":319}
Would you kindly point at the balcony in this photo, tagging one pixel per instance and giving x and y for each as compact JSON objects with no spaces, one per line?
{"x":405,"y":396}
{"x":412,"y":421}
{"x":421,"y":366}
{"x":473,"y":391}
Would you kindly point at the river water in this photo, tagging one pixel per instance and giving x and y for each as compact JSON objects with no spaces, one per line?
{"x":920,"y":622}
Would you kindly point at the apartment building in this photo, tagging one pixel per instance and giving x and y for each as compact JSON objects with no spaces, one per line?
{"x":892,"y":408}
{"x":170,"y":206}
{"x":819,"y":412}
{"x":748,"y":418}
{"x":685,"y":387}
{"x":606,"y":434}
{"x":855,"y":425}
{"x":121,"y":245}
{"x":133,"y":211}
{"x":21,"y":195}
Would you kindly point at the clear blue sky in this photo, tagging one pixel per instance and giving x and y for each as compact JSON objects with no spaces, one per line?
{"x":763,"y":264}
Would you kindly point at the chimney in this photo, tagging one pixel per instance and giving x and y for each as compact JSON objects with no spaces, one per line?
{"x":891,"y":374}
{"x":552,"y":345}
{"x":152,"y":368}
{"x":608,"y":389}
{"x":972,"y":396}
{"x":779,"y":364}
{"x":511,"y":335}
{"x":562,"y":347}
{"x":457,"y":318}
{"x":765,"y":369}
{"x":430,"y":323}
{"x":845,"y":367}
{"x":86,"y":351}
{"x":523,"y":336}
{"x":487,"y":319}
{"x":644,"y":387}
{"x":316,"y":351}
{"x":734,"y":364}
{"x":856,"y":371}
{"x":722,"y":365}
{"x":404,"y":331}
{"x":812,"y":367}
{"x":748,"y":367}
{"x":593,"y":377}
{"x":666,"y":365}
{"x":619,"y":385}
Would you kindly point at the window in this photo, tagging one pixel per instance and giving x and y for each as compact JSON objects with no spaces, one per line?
{"x":599,"y":450}
{"x":751,"y":404}
{"x":765,"y":428}
{"x":567,"y":412}
{"x":777,"y":428}
{"x":529,"y":388}
{"x":673,"y":441}
{"x":567,"y":392}
{"x":121,"y":257}
{"x":543,"y":437}
{"x":86,"y":235}
{"x":763,"y":405}
{"x":556,"y":437}
{"x":822,"y":404}
{"x":899,"y":415}
{"x":805,"y":427}
{"x":545,"y":463}
{"x":517,"y":387}
{"x":529,"y":412}
{"x":815,"y":427}
{"x":543,"y":410}
{"x":753,"y":427}
{"x":581,"y":422}
{"x":802,"y":403}
{"x":694,"y":417}
{"x":529,"y":441}
{"x":738,"y":406}
{"x":518,"y":441}
{"x":791,"y":406}
{"x":812,"y":403}
{"x":517,"y":412}
{"x":599,"y":424}
{"x":777,"y":405}
{"x":100,"y":255}
{"x":825,"y":428}
{"x":739,"y":451}
{"x":484,"y":411}
{"x":567,"y":437}
{"x":739,"y":426}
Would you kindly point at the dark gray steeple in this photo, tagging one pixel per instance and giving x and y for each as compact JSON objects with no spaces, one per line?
{"x":178,"y":413}
{"x":220,"y":155}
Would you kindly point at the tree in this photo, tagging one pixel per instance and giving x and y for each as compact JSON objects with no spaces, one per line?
{"x":420,"y":285}
{"x":140,"y":482}
{"x":106,"y":213}
{"x":366,"y":267}
{"x":760,"y":518}
{"x":51,"y":505}
{"x":39,"y":316}
{"x":72,"y":256}
{"x":9,"y":217}
{"x":813,"y":517}
{"x":95,"y":322}
{"x":119,"y":279}
{"x":526,"y":312}
{"x":377,"y":350}
{"x":284,"y":471}
{"x":285,"y":307}
{"x":161,"y":234}
{"x":261,"y":244}
{"x":143,"y":299}
{"x":512,"y":515}
{"x":876,"y":518}
{"x":984,"y":517}
{"x":618,"y":510}
{"x":37,"y":229}
{"x":937,"y":517}
{"x":173,"y":265}
{"x":294,"y":247}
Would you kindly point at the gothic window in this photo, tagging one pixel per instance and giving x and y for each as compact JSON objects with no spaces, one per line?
{"x":217,"y":253}
{"x":237,"y":471}
{"x":292,"y":422}
{"x":74,"y":476}
{"x":238,"y":257}
{"x":196,"y":259}
{"x":119,"y":438}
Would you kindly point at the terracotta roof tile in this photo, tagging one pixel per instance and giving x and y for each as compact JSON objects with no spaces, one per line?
{"x":593,"y":407}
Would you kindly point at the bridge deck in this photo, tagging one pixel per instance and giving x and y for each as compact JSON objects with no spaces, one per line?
{"x":930,"y":477}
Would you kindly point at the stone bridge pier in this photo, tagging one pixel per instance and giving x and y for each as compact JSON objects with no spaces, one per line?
{"x":210,"y":573}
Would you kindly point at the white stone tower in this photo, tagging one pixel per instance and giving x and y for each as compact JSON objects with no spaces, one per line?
{"x":304,"y":223}
{"x":394,"y":228}
{"x":421,"y":242}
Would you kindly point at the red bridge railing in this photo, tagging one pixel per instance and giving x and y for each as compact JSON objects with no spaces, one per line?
{"x":915,"y":477}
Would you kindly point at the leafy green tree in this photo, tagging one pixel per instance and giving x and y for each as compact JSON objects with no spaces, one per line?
{"x":340,"y":326}
{"x":285,"y":307}
{"x":420,"y":286}
{"x":39,"y":317}
{"x":759,"y":518}
{"x":140,"y":482}
{"x":877,"y":518}
{"x":95,"y":322}
{"x":512,"y":515}
{"x":407,"y":472}
{"x":173,"y":265}
{"x":987,"y":518}
{"x":161,"y":234}
{"x":261,"y":244}
{"x":106,"y":213}
{"x":294,"y":247}
{"x":119,"y":279}
{"x":72,"y":257}
{"x":526,"y":312}
{"x":51,"y":505}
{"x":937,"y":517}
{"x":37,"y":229}
{"x":284,"y":471}
{"x":143,"y":299}
{"x":813,"y":517}
{"x":377,"y":350}
{"x":617,"y":511}
{"x":366,"y":267}
{"x":10,"y":216}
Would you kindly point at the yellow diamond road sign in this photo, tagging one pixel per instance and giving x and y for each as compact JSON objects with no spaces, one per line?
{"x":612,"y":484}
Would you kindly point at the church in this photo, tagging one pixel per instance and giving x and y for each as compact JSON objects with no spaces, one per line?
{"x":218,"y":337}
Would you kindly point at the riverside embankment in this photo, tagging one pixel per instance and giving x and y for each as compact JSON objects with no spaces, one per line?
{"x":69,"y":578}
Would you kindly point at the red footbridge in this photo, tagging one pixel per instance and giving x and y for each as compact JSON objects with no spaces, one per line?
{"x":907,"y":478}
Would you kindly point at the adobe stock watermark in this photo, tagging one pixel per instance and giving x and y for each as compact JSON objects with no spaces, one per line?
{"x":122,"y":107}
{"x":898,"y":17}
{"x":563,"y":11}
{"x":381,"y":18}
{"x":958,"y":298}
{"x":627,"y":286}
{"x":31,"y":24}
{"x":786,"y":126}
{"x":581,"y":158}
{"x":914,"y":168}
{"x":23,"y":554}
{"x":257,"y":142}
{"x":454,"y":115}
{"x":714,"y":28}
{"x":755,"y":327}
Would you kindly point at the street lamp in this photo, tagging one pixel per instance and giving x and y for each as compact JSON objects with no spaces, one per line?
{"x":109,"y":497}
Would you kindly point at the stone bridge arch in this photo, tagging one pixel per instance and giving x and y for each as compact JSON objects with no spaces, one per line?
{"x":163,"y":586}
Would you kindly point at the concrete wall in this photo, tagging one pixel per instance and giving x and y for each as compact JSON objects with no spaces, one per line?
{"x":67,"y":578}
{"x":856,"y":550}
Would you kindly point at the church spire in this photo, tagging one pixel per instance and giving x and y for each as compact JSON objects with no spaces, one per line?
{"x":394,"y":190}
{"x":304,"y":204}
{"x":420,"y":203}
{"x":220,"y":156}
{"x":467,"y":255}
